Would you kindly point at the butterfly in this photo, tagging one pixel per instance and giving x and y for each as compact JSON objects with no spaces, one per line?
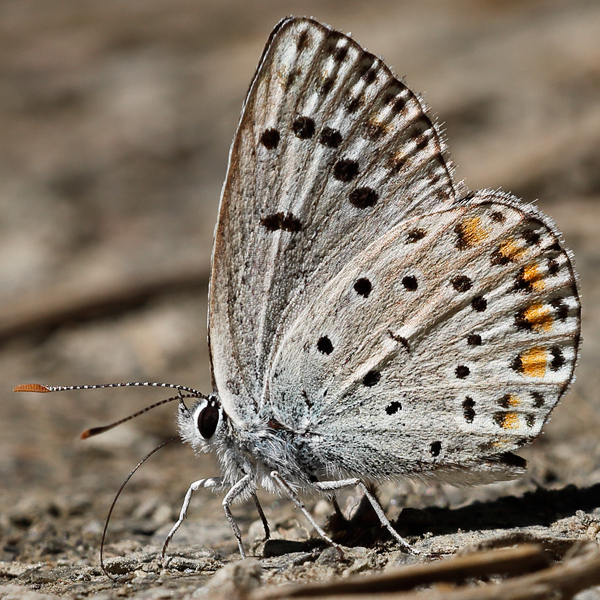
{"x":369,"y":319}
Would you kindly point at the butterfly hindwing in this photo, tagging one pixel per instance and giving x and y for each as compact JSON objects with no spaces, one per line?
{"x":448,"y":340}
{"x":332,"y":151}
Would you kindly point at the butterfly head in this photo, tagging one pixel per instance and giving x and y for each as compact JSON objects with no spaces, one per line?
{"x":203,"y":425}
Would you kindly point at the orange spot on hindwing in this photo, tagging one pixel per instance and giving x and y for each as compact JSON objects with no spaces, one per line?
{"x":470,"y":232}
{"x":508,"y":251}
{"x":509,"y":401}
{"x":532,"y":362}
{"x":532,"y":275}
{"x":509,"y":421}
{"x":537,"y":317}
{"x":529,"y":279}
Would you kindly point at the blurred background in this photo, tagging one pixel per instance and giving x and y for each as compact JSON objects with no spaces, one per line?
{"x":115,"y":123}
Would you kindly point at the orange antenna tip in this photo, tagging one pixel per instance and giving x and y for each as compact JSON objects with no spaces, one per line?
{"x":88,"y":433}
{"x":32,"y":387}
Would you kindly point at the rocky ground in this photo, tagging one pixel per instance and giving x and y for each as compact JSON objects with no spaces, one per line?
{"x":116,"y":118}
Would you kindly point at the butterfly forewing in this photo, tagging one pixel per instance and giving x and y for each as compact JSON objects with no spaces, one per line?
{"x":452,"y":336}
{"x":331,"y":152}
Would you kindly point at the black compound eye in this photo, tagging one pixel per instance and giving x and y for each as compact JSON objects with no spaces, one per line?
{"x":208,"y":419}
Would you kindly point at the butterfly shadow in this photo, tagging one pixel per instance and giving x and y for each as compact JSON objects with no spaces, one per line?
{"x":538,"y":508}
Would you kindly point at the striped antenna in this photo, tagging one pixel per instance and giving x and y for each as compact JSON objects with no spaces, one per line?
{"x":43,"y":389}
{"x":40,"y":388}
{"x":183,"y":392}
{"x":98,"y":430}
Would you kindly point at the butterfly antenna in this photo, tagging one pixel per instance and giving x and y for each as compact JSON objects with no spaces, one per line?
{"x":98,"y":430}
{"x":114,"y":502}
{"x":190,"y":393}
{"x":183,"y":392}
{"x":40,"y":388}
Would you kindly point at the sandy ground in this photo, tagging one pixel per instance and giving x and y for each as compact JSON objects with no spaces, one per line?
{"x":116,"y":119}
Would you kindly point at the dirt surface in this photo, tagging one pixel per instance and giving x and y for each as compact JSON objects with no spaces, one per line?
{"x":116,"y":120}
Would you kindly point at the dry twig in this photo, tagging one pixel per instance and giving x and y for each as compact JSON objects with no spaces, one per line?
{"x":448,"y":578}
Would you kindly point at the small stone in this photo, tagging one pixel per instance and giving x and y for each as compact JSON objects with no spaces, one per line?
{"x":234,"y":581}
{"x":330,"y":556}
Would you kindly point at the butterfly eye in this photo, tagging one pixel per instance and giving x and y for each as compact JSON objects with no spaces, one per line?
{"x":208,"y":419}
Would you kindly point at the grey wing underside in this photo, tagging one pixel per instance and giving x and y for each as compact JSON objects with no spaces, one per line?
{"x":332,"y":151}
{"x":446,"y":342}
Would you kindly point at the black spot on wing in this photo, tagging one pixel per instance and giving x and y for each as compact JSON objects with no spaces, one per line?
{"x":468,"y":407}
{"x":330,"y":137}
{"x":531,"y":237}
{"x":393,"y":408}
{"x":538,"y":399}
{"x":304,"y":128}
{"x":334,"y":38}
{"x":461,"y":283}
{"x":555,"y":247}
{"x":270,"y":139}
{"x":517,"y":364}
{"x":558,"y":358}
{"x":479,"y":304}
{"x":363,"y":197}
{"x":324,"y":345}
{"x":462,"y":371}
{"x":522,"y":322}
{"x":500,"y":257}
{"x":414,"y":235}
{"x":341,"y":53}
{"x":345,"y":170}
{"x":553,"y":266}
{"x":292,"y":77}
{"x":281,"y":221}
{"x":398,"y":105}
{"x":336,"y":46}
{"x":474,"y":339}
{"x":562,"y":310}
{"x":463,"y":240}
{"x":363,"y":287}
{"x":371,"y":378}
{"x":410,"y":283}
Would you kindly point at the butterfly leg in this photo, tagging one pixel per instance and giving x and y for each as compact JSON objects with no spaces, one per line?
{"x":329,"y":486}
{"x":210,"y":482}
{"x":294,"y":498}
{"x":232,"y":494}
{"x":262,"y":518}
